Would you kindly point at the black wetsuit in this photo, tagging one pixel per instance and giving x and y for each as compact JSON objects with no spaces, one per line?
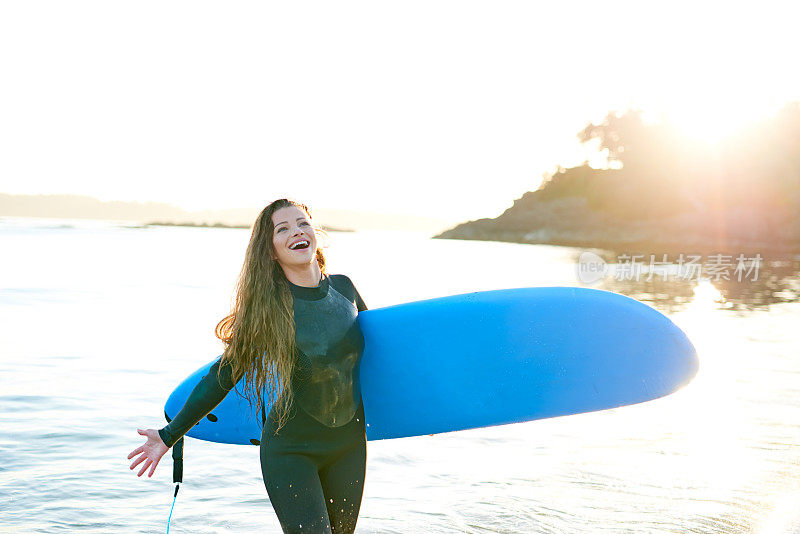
{"x":314,"y":467}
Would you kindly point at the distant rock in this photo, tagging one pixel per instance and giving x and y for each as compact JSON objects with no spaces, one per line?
{"x":84,"y":207}
{"x":568,"y":221}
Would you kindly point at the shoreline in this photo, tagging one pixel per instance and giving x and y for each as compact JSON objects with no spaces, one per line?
{"x":635,"y":247}
{"x":223,"y":225}
{"x":568,"y":222}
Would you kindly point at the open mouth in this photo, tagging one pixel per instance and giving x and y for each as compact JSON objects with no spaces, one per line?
{"x":299,"y":245}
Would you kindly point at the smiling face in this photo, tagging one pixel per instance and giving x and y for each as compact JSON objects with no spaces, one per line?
{"x":292,"y":226}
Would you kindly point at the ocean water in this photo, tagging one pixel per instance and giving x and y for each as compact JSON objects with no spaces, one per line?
{"x":100,"y":320}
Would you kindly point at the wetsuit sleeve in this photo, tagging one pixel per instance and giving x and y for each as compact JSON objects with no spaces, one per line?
{"x":345,"y":286}
{"x":205,"y":396}
{"x":359,"y":301}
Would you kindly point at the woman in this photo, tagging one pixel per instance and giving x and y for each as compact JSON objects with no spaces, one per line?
{"x":292,"y":333}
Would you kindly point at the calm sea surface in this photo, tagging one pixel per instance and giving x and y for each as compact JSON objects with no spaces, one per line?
{"x":100,"y":321}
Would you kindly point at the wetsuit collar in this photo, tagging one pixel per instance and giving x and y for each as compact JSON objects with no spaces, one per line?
{"x":311,"y":293}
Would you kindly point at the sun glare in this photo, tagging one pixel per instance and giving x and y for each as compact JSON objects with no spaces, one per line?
{"x":709,"y":126}
{"x":711,"y":120}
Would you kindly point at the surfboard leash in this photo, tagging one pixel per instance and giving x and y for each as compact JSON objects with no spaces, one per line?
{"x":174,"y":498}
{"x":177,"y":471}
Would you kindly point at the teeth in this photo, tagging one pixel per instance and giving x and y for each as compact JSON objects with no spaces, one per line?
{"x":294,"y":246}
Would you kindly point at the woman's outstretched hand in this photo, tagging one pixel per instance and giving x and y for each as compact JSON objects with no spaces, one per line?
{"x":150,"y":453}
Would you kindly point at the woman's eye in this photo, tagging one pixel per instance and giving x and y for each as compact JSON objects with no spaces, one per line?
{"x":281,"y":229}
{"x":304,"y":223}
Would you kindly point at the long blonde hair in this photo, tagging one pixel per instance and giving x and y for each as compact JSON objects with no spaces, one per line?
{"x":259,"y":333}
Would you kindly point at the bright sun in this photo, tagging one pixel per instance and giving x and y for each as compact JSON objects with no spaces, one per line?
{"x":712,"y":119}
{"x":708,"y":125}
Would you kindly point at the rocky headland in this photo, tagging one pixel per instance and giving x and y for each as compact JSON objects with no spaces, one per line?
{"x":569,"y":221}
{"x":665,"y":193}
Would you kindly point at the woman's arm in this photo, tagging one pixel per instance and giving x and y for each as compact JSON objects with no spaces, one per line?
{"x":205,"y":396}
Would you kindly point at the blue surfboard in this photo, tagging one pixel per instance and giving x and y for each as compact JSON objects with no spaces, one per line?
{"x":492,"y":358}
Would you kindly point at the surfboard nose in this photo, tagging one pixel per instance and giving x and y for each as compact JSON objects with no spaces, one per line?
{"x":691,"y":362}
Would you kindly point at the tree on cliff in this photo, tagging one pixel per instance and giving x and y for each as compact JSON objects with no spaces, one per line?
{"x":664,"y":172}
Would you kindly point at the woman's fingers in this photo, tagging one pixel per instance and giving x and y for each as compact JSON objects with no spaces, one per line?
{"x":141,"y":459}
{"x":150,"y":453}
{"x":144,"y":467}
{"x":153,"y":469}
{"x":135,"y":452}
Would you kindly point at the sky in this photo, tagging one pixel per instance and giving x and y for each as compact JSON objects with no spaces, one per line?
{"x":447,"y":109}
